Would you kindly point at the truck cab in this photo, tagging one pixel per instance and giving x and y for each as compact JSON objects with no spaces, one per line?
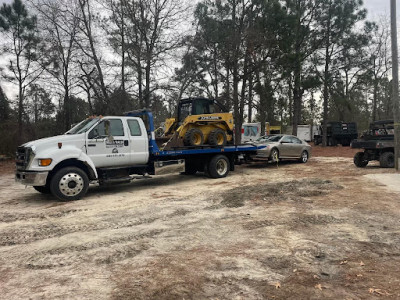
{"x":117,"y":141}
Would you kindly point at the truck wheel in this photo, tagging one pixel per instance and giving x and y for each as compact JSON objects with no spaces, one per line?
{"x":45,"y":189}
{"x":193,"y":137}
{"x":274,"y":156}
{"x":69,"y":183}
{"x":386,"y":160}
{"x":359,"y":160}
{"x":304,"y":157}
{"x":218,"y":166}
{"x":217,"y":137}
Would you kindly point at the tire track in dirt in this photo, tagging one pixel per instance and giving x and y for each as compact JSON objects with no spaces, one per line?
{"x":31,"y":233}
{"x":14,"y":217}
{"x":100,"y":252}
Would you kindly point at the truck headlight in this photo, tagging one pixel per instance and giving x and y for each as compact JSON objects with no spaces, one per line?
{"x":44,"y":162}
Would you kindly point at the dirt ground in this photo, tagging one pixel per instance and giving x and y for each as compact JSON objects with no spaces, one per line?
{"x":321,"y":230}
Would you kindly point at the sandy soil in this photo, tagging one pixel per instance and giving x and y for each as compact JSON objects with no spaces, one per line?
{"x":320,"y":230}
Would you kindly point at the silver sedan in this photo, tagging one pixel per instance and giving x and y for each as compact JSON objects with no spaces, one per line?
{"x":283,"y":147}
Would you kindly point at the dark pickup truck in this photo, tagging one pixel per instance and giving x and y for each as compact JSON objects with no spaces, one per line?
{"x":378,"y":144}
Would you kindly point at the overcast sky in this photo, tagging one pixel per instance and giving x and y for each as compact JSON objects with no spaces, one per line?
{"x":374,"y":7}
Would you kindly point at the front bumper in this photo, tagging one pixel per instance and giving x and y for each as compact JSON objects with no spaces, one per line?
{"x":264,"y":153}
{"x":31,"y":178}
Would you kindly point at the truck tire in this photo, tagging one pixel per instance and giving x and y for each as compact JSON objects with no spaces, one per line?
{"x":70,"y":183}
{"x":217,"y":137}
{"x":359,"y":160}
{"x":193,"y":137}
{"x":386,"y":160}
{"x":218,"y":166}
{"x":45,"y":189}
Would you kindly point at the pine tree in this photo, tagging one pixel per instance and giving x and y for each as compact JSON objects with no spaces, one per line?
{"x":19,"y":28}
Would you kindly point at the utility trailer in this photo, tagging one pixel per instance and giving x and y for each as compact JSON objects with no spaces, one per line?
{"x":114,"y":149}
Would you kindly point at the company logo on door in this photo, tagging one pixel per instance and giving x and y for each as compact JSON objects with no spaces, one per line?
{"x":114,"y":144}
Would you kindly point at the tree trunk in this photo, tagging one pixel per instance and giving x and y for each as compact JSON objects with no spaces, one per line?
{"x":375,"y":100}
{"x":147,"y":87}
{"x":20,"y":138}
{"x":297,"y":95}
{"x":326,"y":80}
{"x":122,"y":48}
{"x":250,"y":102}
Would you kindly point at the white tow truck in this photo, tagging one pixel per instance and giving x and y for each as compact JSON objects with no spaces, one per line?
{"x":112,"y":149}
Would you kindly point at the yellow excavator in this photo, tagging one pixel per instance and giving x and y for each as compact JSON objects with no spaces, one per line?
{"x":199,"y":121}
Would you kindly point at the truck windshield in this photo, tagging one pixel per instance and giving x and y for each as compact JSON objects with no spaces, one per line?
{"x":83,"y":126}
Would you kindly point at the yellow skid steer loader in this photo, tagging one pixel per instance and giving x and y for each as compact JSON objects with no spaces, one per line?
{"x":199,"y":121}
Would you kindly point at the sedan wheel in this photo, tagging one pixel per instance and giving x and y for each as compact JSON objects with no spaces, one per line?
{"x":304,"y":157}
{"x":274,"y":157}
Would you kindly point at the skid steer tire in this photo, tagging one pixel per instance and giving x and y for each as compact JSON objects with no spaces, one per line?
{"x":193,"y":137}
{"x":217,"y":137}
{"x":386,"y":160}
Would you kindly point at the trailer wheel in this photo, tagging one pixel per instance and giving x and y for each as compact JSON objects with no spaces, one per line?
{"x":69,"y":183}
{"x":218,"y":166}
{"x":45,"y":189}
{"x":359,"y":160}
{"x":386,"y":160}
{"x":193,"y":137}
{"x":217,"y":137}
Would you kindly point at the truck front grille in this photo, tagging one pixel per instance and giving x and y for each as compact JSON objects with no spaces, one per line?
{"x":23,"y":156}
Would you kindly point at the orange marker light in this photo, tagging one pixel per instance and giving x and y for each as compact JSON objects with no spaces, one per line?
{"x":45,"y":162}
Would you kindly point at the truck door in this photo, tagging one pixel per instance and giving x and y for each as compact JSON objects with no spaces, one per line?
{"x":138,"y":141}
{"x":107,"y":144}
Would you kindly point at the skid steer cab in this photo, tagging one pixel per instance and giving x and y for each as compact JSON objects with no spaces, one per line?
{"x":199,"y":121}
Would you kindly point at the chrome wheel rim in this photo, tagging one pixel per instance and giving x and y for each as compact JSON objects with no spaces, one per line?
{"x":71,"y":184}
{"x":222,"y":167}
